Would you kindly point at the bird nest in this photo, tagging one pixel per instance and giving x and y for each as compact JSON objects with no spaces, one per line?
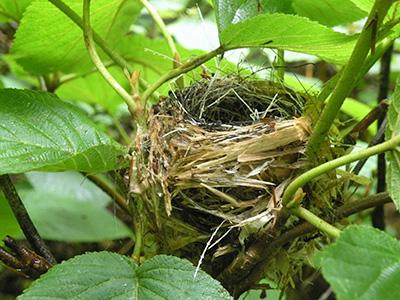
{"x":218,"y":156}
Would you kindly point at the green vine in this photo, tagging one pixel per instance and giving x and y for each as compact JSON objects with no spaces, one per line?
{"x":345,"y":83}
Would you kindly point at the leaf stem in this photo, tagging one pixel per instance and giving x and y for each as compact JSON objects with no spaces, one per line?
{"x":88,"y":37}
{"x":345,"y":83}
{"x":109,"y":190}
{"x":186,"y":67}
{"x":160,"y":23}
{"x":333,"y":164}
{"x":316,"y":221}
{"x":119,"y":60}
{"x":24,"y":220}
{"x":280,"y":64}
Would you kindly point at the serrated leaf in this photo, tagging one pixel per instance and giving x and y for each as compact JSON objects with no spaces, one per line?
{"x":106,"y":275}
{"x":59,"y":216}
{"x":329,"y":12}
{"x":48,"y":41}
{"x":290,"y":32}
{"x":393,"y":157}
{"x":229,"y":12}
{"x":38,"y":131}
{"x":12,"y":10}
{"x":364,"y":263}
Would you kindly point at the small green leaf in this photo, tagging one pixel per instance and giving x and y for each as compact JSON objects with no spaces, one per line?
{"x":393,"y":157}
{"x":38,"y":131}
{"x":48,"y":41}
{"x":106,"y":275}
{"x":364,"y":263}
{"x":329,"y":12}
{"x":290,"y":32}
{"x":12,"y":10}
{"x":59,"y":216}
{"x":70,"y":183}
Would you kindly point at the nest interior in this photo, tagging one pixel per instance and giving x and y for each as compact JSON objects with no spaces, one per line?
{"x":219,"y":155}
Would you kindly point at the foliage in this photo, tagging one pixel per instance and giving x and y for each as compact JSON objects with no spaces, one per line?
{"x":105,"y":275}
{"x":362,"y":264}
{"x":248,"y":178}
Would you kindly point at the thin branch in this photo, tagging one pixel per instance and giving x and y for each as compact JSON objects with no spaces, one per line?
{"x":333,"y":164}
{"x":316,"y":221}
{"x":119,"y":60}
{"x":24,"y":221}
{"x":267,"y":249}
{"x":378,"y":215}
{"x":280,"y":64}
{"x":88,"y":36}
{"x":377,"y":138}
{"x":188,"y":66}
{"x":365,"y":42}
{"x":111,"y":191}
{"x":160,"y":23}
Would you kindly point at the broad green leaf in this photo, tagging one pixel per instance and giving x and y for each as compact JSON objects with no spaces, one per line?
{"x":393,"y":157}
{"x":364,"y":263}
{"x":106,"y":275}
{"x":60,"y":216}
{"x":290,"y":32}
{"x":365,"y":5}
{"x":38,"y":131}
{"x":48,"y":41}
{"x":329,"y":12}
{"x":12,"y":10}
{"x":70,"y":183}
{"x":92,"y":88}
{"x":229,"y":12}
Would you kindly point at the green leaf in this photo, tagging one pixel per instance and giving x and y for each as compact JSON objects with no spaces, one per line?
{"x":59,"y":216}
{"x":365,"y":5}
{"x":229,"y":12}
{"x":12,"y":10}
{"x":106,"y":275}
{"x":70,"y":183}
{"x":48,"y":41}
{"x":393,"y":157}
{"x":329,"y":12}
{"x":40,"y":132}
{"x":92,"y":88}
{"x":364,"y":263}
{"x":290,"y":33}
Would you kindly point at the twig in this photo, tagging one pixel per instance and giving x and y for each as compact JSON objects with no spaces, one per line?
{"x":377,"y":138}
{"x":186,"y":67}
{"x":88,"y":36}
{"x":280,"y":63}
{"x":266,"y":250}
{"x":160,"y":23}
{"x":344,"y":85}
{"x":119,"y":60}
{"x":378,"y":217}
{"x":112,"y":192}
{"x":316,"y":221}
{"x":331,"y":165}
{"x":24,"y":221}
